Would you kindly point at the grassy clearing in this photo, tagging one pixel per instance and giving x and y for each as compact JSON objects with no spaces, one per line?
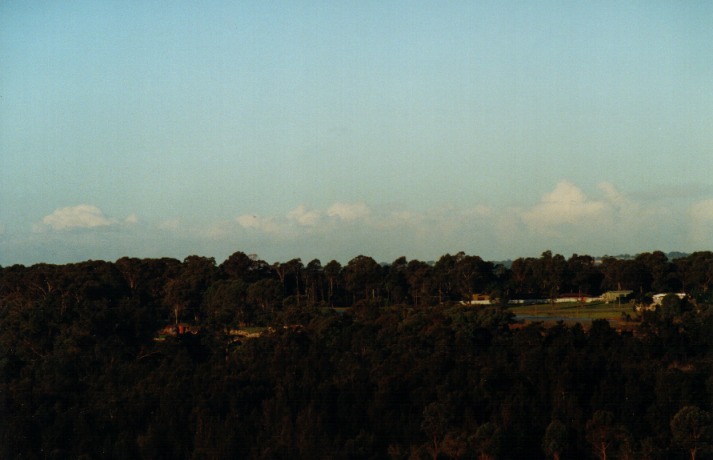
{"x":254,"y":329}
{"x":593,"y":310}
{"x":569,"y":311}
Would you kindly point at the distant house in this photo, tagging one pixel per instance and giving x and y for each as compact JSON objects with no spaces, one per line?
{"x":574,"y":297}
{"x":614,"y":296}
{"x":658,"y":298}
{"x":480,"y":299}
{"x":178,"y":329}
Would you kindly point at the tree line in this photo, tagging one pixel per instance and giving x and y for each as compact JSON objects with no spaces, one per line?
{"x":246,"y":289}
{"x":406,"y":372}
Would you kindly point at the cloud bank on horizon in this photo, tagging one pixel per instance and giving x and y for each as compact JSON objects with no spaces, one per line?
{"x":565,"y":220}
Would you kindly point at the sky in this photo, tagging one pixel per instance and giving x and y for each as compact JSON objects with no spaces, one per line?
{"x":328,"y":130}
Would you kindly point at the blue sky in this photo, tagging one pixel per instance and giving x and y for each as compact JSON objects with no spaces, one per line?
{"x":332,"y":129}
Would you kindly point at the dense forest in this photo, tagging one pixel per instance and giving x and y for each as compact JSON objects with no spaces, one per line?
{"x":362,"y":361}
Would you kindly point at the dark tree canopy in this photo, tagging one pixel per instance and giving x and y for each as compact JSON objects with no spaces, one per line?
{"x":162,"y":358}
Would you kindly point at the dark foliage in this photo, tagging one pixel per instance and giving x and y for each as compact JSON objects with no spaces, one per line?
{"x":92,"y":366}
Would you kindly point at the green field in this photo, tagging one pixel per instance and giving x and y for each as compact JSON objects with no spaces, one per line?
{"x":576,"y":310}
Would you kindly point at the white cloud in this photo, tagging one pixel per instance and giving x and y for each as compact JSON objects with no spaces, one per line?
{"x":611,"y":193}
{"x":566,"y":204}
{"x":251,"y":221}
{"x":348,"y":212}
{"x":406,"y":217}
{"x":702,"y":222}
{"x":608,"y":223}
{"x":217,"y":231}
{"x":75,"y":217}
{"x":170,"y":225}
{"x":302,"y":216}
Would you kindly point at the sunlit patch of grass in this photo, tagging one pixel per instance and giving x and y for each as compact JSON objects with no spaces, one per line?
{"x":254,"y":329}
{"x":591,"y":310}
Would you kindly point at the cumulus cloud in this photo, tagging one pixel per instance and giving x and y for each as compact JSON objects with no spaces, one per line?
{"x":702,"y":222}
{"x":607,"y":222}
{"x":348,"y":211}
{"x":566,"y":204}
{"x":611,"y":193}
{"x":169,"y":225}
{"x":303,"y":216}
{"x":405,"y":217}
{"x":75,"y":217}
{"x":251,"y":221}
